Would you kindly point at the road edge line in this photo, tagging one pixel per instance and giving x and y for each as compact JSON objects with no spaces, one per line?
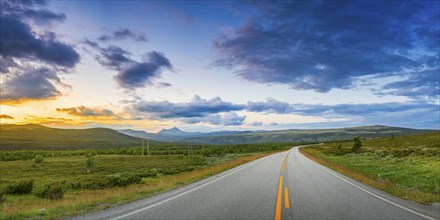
{"x":367,"y":191}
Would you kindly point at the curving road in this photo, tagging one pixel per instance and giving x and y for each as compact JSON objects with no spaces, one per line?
{"x":285,"y":185}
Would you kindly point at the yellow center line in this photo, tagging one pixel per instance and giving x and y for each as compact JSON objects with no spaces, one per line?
{"x":286,"y":198}
{"x":284,"y":164}
{"x":279,"y":198}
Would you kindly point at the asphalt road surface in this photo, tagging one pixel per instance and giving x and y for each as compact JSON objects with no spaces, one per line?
{"x":285,"y":185}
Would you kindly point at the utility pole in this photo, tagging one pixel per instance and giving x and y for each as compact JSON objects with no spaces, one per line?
{"x":148,"y":147}
{"x":142,"y":147}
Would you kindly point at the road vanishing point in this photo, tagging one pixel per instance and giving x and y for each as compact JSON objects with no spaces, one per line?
{"x":284,"y":185}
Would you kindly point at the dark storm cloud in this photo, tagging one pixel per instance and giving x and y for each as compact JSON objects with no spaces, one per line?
{"x":232,"y":119}
{"x":218,"y":112}
{"x":86,"y":112}
{"x":139,"y":74}
{"x":323,"y":45}
{"x":270,"y":105}
{"x":23,"y":10}
{"x":197,"y":107}
{"x":163,"y":84}
{"x":421,"y":84}
{"x":18,"y":41}
{"x":131,"y":74}
{"x":122,"y":34}
{"x":339,"y":110}
{"x":226,"y":119}
{"x":31,"y":84}
{"x":92,"y":44}
{"x":30,"y":60}
{"x":43,"y":16}
{"x":18,"y":7}
{"x":114,"y":57}
{"x":417,"y":114}
{"x":364,"y":110}
{"x":6,"y":63}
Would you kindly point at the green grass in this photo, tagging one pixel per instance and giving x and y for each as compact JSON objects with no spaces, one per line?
{"x":72,"y":169}
{"x":406,"y":166}
{"x":118,"y":175}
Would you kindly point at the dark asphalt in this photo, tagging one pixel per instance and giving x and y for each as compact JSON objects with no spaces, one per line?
{"x":252,"y":191}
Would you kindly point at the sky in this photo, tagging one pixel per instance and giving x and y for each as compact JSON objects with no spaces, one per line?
{"x":220,"y":65}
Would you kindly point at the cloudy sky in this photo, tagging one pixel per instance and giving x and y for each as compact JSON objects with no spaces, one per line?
{"x":215,"y":65}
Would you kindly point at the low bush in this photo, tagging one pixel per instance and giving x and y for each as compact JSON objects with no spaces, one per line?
{"x":149,"y":173}
{"x":51,"y":191}
{"x":123,"y":179}
{"x":21,"y":187}
{"x":2,"y":195}
{"x":38,"y":159}
{"x":117,"y":179}
{"x":402,"y":152}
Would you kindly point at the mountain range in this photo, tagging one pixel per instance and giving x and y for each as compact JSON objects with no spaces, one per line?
{"x":291,"y":135}
{"x":175,"y":134}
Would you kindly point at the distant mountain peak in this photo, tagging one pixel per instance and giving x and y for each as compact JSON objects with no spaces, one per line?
{"x":172,"y":131}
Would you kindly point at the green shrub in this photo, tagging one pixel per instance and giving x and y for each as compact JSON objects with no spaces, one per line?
{"x":402,"y":152}
{"x":123,"y":179}
{"x":380,"y":153}
{"x":51,"y":191}
{"x":2,"y":195}
{"x":38,"y":159}
{"x":150,"y":173}
{"x":117,"y":179}
{"x":22,"y":187}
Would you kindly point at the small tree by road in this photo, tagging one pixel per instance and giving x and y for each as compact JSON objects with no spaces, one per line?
{"x":339,"y":148}
{"x":357,"y":144}
{"x":90,"y":162}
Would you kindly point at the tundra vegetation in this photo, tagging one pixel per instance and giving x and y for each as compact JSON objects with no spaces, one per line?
{"x":58,"y":183}
{"x":406,"y":166}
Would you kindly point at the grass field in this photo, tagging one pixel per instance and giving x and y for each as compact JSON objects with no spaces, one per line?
{"x":117,"y":176}
{"x":406,"y":166}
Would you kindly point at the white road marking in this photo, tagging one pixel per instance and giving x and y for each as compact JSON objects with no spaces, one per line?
{"x":371,"y":193}
{"x":184,"y":193}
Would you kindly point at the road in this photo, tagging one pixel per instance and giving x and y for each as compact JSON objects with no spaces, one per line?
{"x":285,"y":185}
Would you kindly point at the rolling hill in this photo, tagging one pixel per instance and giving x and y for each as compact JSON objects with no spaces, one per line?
{"x":293,"y":135}
{"x":315,"y":135}
{"x":175,"y":134}
{"x":38,"y":137}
